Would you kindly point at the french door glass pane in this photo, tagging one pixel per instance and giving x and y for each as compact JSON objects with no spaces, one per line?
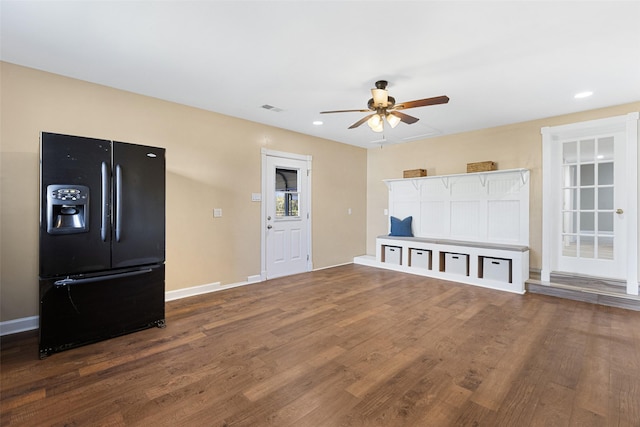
{"x":605,"y":174}
{"x":605,"y":222}
{"x":587,"y":223}
{"x":587,"y":175}
{"x":586,"y":247}
{"x":587,"y":150}
{"x":605,"y":149}
{"x":605,"y":198}
{"x":570,"y":200}
{"x":569,"y":248}
{"x":569,"y":222}
{"x":569,"y":152}
{"x":586,"y":199}
{"x":605,"y":247}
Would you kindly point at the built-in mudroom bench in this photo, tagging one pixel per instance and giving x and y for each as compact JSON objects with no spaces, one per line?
{"x":504,"y":267}
{"x":471,"y":228}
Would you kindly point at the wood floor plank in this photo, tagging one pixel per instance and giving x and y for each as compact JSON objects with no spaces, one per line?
{"x":346,"y":346}
{"x":492,"y":391}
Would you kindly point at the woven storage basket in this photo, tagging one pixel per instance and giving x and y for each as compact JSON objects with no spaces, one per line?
{"x":414,"y":173}
{"x":481,"y":167}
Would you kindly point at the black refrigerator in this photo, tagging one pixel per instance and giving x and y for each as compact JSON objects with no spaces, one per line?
{"x":102,"y":240}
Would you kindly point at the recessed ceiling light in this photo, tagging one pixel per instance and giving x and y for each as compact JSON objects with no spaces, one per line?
{"x":317,"y":122}
{"x":585,"y":94}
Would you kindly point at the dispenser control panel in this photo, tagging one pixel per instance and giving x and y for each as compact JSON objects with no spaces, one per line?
{"x":71,"y":194}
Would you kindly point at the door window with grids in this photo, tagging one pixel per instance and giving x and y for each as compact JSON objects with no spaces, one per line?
{"x":587,"y":201}
{"x":286,"y":193}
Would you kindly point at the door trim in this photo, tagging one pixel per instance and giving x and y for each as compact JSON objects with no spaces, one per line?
{"x":263,"y":208}
{"x":550,"y":135}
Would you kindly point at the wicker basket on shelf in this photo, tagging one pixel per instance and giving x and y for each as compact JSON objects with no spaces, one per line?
{"x":414,"y":173}
{"x":481,"y":167}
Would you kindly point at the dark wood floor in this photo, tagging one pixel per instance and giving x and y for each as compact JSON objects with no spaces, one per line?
{"x":347,"y":346}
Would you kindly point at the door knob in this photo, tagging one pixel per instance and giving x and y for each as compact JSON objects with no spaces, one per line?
{"x":619,"y":211}
{"x":269,"y":218}
{"x":269,"y":226}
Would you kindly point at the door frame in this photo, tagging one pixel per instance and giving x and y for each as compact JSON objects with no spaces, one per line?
{"x":263,"y":209}
{"x":628,"y":124}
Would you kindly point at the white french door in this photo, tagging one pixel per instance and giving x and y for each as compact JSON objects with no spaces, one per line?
{"x":286,"y":214}
{"x":590,"y":218}
{"x":592,"y":237}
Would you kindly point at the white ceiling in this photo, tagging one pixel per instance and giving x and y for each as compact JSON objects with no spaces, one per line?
{"x":499,"y":62}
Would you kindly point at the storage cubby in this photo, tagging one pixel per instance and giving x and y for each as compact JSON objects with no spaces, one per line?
{"x":455,"y":263}
{"x":495,"y":269}
{"x":392,"y":254}
{"x":420,"y":258}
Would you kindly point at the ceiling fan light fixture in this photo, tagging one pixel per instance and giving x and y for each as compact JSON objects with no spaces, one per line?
{"x":378,"y":128}
{"x":375,"y":123}
{"x":380,"y":97}
{"x":393,"y":120}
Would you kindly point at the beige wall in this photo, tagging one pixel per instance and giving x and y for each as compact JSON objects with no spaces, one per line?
{"x":212,"y":161}
{"x":513,"y":146}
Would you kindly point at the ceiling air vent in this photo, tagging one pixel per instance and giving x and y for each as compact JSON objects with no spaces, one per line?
{"x":272,"y":108}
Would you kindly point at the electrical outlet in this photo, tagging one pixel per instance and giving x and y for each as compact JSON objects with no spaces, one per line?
{"x":217,"y":212}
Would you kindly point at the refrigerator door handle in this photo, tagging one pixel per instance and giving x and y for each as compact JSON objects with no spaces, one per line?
{"x":105,"y":199}
{"x":118,"y":201}
{"x":70,"y":281}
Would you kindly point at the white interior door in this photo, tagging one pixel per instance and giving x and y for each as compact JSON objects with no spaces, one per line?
{"x":590,"y":199}
{"x":286,"y":196}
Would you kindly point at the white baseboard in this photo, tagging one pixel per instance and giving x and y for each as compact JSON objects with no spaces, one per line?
{"x":191,"y":292}
{"x":369,"y":260}
{"x":19,"y":325}
{"x":30,"y":323}
{"x":332,"y":266}
{"x":254,"y":279}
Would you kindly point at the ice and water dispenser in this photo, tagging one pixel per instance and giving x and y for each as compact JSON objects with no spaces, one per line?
{"x":67,"y":209}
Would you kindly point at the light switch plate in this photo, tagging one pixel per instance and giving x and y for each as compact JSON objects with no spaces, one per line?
{"x":217,"y":212}
{"x":256,"y":197}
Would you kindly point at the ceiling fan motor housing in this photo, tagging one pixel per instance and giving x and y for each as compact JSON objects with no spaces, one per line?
{"x":381,"y":84}
{"x":391,"y":101}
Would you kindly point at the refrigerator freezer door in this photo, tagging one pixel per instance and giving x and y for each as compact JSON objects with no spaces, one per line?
{"x":139,"y":205}
{"x":70,"y":163}
{"x":99,"y":307}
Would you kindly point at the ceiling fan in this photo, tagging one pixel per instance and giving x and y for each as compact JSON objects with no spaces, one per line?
{"x":385,"y":107}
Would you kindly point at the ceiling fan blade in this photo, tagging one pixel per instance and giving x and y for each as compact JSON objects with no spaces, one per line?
{"x":422,"y":102}
{"x":345,"y":111}
{"x":405,"y":118}
{"x":361,"y":121}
